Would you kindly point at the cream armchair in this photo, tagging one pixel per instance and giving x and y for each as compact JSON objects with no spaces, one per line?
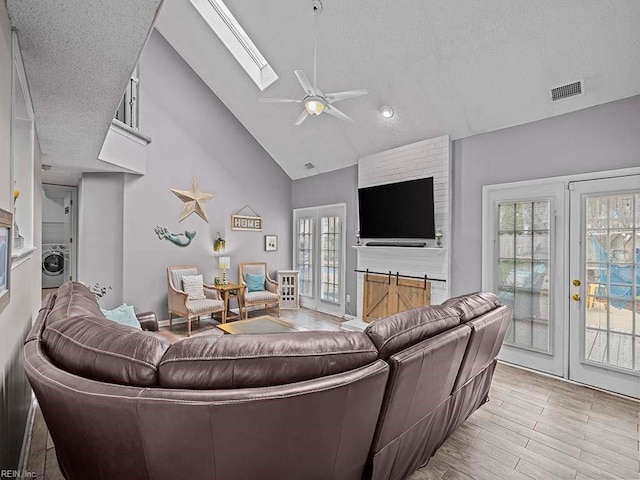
{"x":269,"y":296}
{"x":181,"y":305}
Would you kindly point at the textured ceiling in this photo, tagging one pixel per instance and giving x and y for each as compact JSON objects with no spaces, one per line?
{"x":78,"y":57}
{"x":458,"y":67}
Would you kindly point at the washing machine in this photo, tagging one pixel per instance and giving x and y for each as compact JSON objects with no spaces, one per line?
{"x":53,"y":264}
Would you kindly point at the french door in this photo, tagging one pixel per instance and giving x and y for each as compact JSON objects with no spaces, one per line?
{"x":319,"y":256}
{"x":524,"y":239}
{"x":565,"y":256}
{"x":604,"y":271}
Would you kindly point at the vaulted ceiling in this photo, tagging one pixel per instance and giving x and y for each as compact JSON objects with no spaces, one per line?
{"x":458,"y":67}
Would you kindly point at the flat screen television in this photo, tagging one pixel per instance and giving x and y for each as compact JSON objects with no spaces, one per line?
{"x":397,"y":210}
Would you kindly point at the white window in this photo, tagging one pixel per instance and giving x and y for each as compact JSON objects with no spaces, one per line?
{"x":523,"y":270}
{"x":319,"y":256}
{"x":22,"y":156}
{"x":127,"y":112}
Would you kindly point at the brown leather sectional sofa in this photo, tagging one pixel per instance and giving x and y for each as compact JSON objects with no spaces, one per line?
{"x":122,"y":403}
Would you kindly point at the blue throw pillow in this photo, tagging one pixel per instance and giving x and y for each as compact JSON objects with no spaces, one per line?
{"x":255,"y":283}
{"x":124,"y":315}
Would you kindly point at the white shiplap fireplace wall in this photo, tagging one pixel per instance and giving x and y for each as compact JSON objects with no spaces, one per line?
{"x":428,"y":158}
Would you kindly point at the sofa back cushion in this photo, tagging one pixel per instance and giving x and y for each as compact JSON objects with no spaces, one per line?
{"x":473,"y":305}
{"x":73,"y":299}
{"x":238,"y":361}
{"x":487,"y":334}
{"x":422,"y":378}
{"x":102,"y":350}
{"x":489,"y":321}
{"x":402,"y":330}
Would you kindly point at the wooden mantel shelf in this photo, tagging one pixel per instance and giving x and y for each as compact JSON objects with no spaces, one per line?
{"x":405,"y":251}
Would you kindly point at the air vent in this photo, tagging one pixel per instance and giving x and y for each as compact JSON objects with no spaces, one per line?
{"x":566,"y":91}
{"x":309,"y":166}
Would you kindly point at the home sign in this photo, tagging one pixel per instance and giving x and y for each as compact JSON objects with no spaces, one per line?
{"x":248,"y":223}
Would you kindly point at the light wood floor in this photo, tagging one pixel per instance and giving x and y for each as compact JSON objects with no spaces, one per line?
{"x":539,"y":427}
{"x":533,"y":427}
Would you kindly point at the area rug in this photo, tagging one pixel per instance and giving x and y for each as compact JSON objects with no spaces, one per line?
{"x":206,"y":326}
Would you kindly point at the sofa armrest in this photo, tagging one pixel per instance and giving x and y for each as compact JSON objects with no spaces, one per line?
{"x":271,"y":285}
{"x":148,"y":321}
{"x":211,"y":293}
{"x":177,"y":300}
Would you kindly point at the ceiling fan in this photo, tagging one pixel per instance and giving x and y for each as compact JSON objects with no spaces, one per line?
{"x":315,"y":102}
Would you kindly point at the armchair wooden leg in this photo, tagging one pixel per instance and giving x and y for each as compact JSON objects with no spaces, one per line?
{"x":240,"y":306}
{"x":170,"y":321}
{"x":188,"y":326}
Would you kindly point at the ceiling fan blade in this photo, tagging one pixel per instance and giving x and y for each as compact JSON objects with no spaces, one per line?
{"x":278,"y":100}
{"x":304,"y":81}
{"x":333,"y":111}
{"x":336,"y":97}
{"x":303,"y":116}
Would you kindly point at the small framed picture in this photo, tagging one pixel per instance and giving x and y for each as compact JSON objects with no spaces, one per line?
{"x":271,"y":243}
{"x":6,"y":223}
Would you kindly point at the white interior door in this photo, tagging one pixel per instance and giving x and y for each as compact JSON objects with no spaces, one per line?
{"x":523,"y":241}
{"x":69,"y":234}
{"x":605,"y":284}
{"x":319,"y":256}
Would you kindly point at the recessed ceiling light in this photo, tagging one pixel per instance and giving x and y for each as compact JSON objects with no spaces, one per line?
{"x":386,"y":111}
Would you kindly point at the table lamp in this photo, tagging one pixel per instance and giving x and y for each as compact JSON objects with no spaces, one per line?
{"x":224,"y":263}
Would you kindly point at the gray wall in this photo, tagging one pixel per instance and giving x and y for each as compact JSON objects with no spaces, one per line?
{"x":600,"y":138}
{"x":192,"y":133}
{"x":100,"y":227}
{"x":338,"y":186}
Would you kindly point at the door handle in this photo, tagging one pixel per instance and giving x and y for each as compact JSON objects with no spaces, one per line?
{"x":576,"y":297}
{"x":576,"y":283}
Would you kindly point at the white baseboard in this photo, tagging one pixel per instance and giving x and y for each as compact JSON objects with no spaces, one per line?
{"x":354,"y":325}
{"x":179,"y":320}
{"x":28,"y":434}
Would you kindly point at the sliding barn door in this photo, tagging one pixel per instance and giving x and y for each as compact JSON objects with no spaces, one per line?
{"x":411,"y":293}
{"x":385,"y":295}
{"x":377,"y":298}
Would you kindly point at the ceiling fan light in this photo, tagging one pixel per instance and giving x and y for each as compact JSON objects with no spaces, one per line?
{"x":314,"y":106}
{"x":386,"y":111}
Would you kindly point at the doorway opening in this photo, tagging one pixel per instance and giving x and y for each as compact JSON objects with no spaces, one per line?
{"x":59,"y":244}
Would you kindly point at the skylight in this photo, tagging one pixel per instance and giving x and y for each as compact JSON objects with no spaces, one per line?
{"x":227,"y":28}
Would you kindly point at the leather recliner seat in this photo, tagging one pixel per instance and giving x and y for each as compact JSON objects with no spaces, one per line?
{"x":125,"y":403}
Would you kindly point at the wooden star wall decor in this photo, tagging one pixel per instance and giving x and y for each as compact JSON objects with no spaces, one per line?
{"x":194,"y":200}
